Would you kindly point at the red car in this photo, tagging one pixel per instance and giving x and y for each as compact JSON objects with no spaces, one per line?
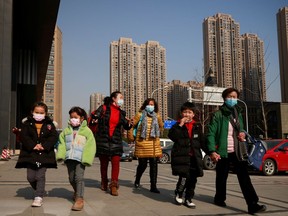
{"x":276,"y":158}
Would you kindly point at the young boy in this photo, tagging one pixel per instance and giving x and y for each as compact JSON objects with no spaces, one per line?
{"x":186,"y":156}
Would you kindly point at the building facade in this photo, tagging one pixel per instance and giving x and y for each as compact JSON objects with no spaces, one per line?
{"x":282,"y":30}
{"x":254,"y":72}
{"x":233,"y":60}
{"x":178,"y":93}
{"x":222,"y":51}
{"x":96,"y":99}
{"x":139,"y":72}
{"x":24,"y":49}
{"x":52,"y":92}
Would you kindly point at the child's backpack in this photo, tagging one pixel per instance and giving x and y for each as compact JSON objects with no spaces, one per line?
{"x":256,"y":149}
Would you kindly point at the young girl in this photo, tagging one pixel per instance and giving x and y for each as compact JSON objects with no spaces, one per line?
{"x":77,"y":147}
{"x":186,"y":156}
{"x":38,"y":137}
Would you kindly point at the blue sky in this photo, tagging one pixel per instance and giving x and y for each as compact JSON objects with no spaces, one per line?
{"x":88,"y":27}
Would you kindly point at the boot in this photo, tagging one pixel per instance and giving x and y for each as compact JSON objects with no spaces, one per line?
{"x":114,"y":188}
{"x":78,"y":205}
{"x":104,"y":185}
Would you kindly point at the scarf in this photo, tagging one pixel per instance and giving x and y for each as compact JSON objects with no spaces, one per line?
{"x":155,"y":131}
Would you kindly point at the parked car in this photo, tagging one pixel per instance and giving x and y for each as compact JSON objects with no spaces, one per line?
{"x":276,"y":158}
{"x":127,"y":152}
{"x":166,"y":154}
{"x":166,"y":157}
{"x":165,"y":142}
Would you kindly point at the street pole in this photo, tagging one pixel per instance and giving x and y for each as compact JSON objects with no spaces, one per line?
{"x":157,"y":90}
{"x":246,"y":112}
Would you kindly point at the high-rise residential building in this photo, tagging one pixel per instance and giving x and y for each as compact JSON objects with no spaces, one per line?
{"x":222,"y":51}
{"x":254,"y":72}
{"x":177,"y":94}
{"x":52,"y":92}
{"x":282,"y":29}
{"x":139,"y":72}
{"x":96,"y":99}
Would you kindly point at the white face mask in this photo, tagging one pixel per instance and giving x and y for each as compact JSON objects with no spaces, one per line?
{"x":38,"y":117}
{"x":120,"y":102}
{"x":75,"y":122}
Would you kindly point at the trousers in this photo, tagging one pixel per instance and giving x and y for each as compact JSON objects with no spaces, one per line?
{"x":240,"y":168}
{"x":76,"y":176}
{"x":142,"y":165}
{"x":104,"y":162}
{"x":37,"y":178}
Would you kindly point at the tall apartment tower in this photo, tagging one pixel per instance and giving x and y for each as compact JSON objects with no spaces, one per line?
{"x":177,"y":94}
{"x":52,"y":92}
{"x":139,"y":72}
{"x":254,"y":72}
{"x":282,"y":29}
{"x":96,"y":99}
{"x":222,"y":51}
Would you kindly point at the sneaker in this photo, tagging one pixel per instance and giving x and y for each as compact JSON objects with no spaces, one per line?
{"x":256,"y":208}
{"x":178,"y":198}
{"x":189,"y":203}
{"x":38,"y":201}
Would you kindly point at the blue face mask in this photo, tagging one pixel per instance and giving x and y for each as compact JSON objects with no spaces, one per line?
{"x":149,"y":108}
{"x":120,"y":102}
{"x":231,"y":102}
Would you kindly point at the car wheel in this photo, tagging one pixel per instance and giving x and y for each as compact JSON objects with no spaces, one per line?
{"x":269,"y":167}
{"x":164,"y":159}
{"x":208,"y":163}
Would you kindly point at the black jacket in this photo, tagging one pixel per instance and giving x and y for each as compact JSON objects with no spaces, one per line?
{"x":109,"y":145}
{"x":181,"y":160}
{"x":29,"y":137}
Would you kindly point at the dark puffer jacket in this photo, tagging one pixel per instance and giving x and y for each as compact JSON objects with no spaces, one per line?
{"x":29,"y":137}
{"x":109,"y":145}
{"x":181,"y":159}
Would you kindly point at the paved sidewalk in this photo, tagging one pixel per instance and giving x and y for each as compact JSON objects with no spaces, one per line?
{"x":16,"y":195}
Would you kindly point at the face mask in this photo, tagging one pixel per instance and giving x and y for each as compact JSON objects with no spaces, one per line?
{"x":149,"y":108}
{"x":75,"y":122}
{"x":120,"y":102}
{"x":231,"y":102}
{"x":38,"y":117}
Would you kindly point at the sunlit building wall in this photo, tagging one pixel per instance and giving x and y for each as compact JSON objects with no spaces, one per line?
{"x":222,"y":50}
{"x":52,"y":92}
{"x":96,"y":99}
{"x":254,"y":72}
{"x":282,"y":29}
{"x":139,"y":72}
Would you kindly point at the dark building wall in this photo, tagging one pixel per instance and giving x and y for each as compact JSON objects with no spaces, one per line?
{"x":5,"y":70}
{"x":26,"y":54}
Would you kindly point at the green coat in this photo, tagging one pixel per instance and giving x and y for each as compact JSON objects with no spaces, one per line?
{"x":218,"y":130}
{"x":82,"y":148}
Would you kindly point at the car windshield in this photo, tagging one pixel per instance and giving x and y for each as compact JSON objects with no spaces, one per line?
{"x":169,"y":146}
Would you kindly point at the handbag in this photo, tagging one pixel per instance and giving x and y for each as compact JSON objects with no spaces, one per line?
{"x":256,"y":149}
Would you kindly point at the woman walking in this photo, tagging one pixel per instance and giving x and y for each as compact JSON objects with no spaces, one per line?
{"x":147,"y":148}
{"x":111,"y":119}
